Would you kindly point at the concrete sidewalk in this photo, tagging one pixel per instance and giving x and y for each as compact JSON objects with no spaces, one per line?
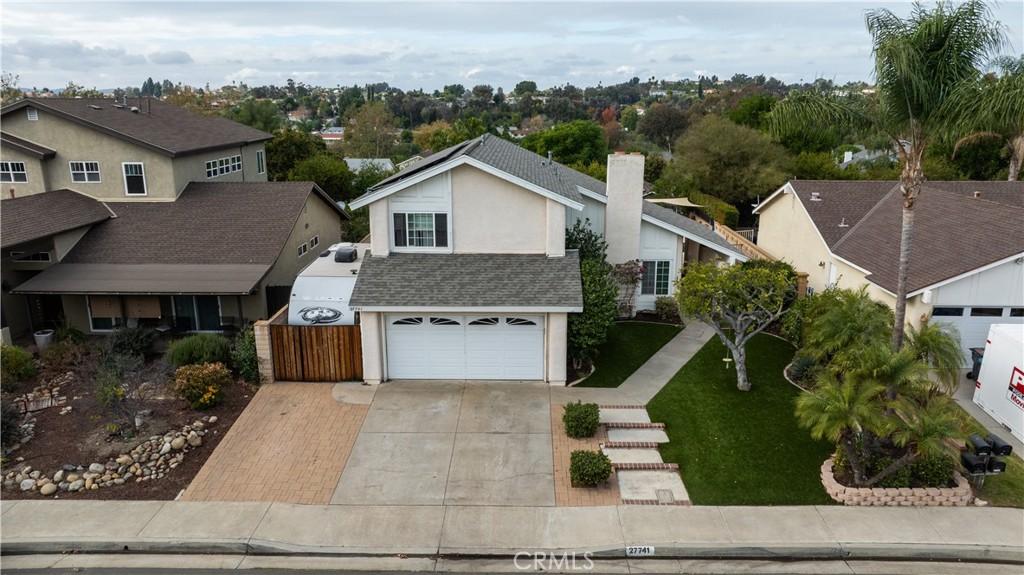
{"x":48,"y":527}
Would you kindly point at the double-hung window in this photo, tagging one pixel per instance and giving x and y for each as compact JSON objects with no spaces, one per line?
{"x":421,"y":230}
{"x":655,"y":278}
{"x":13,"y":172}
{"x":222,"y":166}
{"x":85,"y":172}
{"x":134,"y":179}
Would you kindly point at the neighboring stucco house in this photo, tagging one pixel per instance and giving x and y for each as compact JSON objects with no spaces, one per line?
{"x":468,"y":276}
{"x":966,"y":253}
{"x":142,"y":213}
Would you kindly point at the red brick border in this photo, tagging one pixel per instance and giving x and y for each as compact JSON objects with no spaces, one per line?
{"x":654,"y":502}
{"x":633,"y":425}
{"x":623,"y":406}
{"x":630,"y":444}
{"x":646,"y":466}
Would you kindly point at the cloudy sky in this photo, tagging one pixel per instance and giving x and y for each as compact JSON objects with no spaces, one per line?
{"x":427,"y":45}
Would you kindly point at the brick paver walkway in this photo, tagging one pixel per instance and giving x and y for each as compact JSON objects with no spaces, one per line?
{"x":290,"y":444}
{"x":562,"y":446}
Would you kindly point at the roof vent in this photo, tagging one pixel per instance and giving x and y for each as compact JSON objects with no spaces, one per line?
{"x":815,"y":197}
{"x":345,"y":254}
{"x":119,"y":106}
{"x":977,"y":194}
{"x":134,"y":109}
{"x":843,"y":223}
{"x":95,"y":107}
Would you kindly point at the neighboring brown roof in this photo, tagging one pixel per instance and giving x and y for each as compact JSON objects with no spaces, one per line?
{"x":40,"y":215}
{"x":954,"y":232}
{"x":159,"y":126}
{"x":25,"y":146}
{"x":223,"y":279}
{"x":209,"y":223}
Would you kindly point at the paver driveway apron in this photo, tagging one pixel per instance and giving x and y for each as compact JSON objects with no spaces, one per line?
{"x":452,"y":443}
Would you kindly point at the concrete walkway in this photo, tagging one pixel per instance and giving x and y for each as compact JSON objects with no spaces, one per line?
{"x":648,"y":380}
{"x":47,"y":527}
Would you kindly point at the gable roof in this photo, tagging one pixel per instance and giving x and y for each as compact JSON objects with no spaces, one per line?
{"x":159,"y":126}
{"x":209,"y":223}
{"x":26,"y":147}
{"x":703,"y":234}
{"x":955,"y":233}
{"x":41,"y":215}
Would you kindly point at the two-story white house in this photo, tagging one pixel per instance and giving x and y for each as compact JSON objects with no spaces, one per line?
{"x":468,"y":276}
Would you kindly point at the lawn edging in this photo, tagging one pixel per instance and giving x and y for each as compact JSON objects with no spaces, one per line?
{"x":959,"y":496}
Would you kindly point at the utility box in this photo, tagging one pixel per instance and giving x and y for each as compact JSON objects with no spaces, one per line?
{"x":999,"y":389}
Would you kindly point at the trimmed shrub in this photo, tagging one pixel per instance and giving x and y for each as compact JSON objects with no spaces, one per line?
{"x":666,"y":308}
{"x":243,"y":356}
{"x":70,"y":334}
{"x":16,"y":365}
{"x":131,"y":341}
{"x":581,"y":419}
{"x":936,"y":471}
{"x":200,"y":348}
{"x":10,"y":426}
{"x":202,"y":385}
{"x":803,"y":368}
{"x":589,"y":468}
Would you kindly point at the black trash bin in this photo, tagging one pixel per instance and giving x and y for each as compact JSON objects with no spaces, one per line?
{"x":977,"y":354}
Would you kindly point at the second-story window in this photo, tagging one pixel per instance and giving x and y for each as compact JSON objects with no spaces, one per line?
{"x":421,"y":230}
{"x":88,"y":172}
{"x":13,"y":172}
{"x":134,"y":179}
{"x":222,"y":166}
{"x":261,"y":165}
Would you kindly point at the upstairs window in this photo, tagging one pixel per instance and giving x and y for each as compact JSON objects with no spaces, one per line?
{"x":13,"y":172}
{"x":655,"y":277}
{"x":221,"y":166}
{"x":421,"y":230}
{"x":134,"y":179}
{"x":32,"y":114}
{"x":314,"y":242}
{"x":85,"y":172}
{"x":261,"y":165}
{"x":303,"y":249}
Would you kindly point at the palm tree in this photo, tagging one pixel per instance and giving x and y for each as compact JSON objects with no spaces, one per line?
{"x":940,"y":349}
{"x":843,"y":412}
{"x":848,"y":322}
{"x":993,"y":107}
{"x":919,"y":62}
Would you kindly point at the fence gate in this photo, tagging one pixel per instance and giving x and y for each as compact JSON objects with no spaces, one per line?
{"x":316,"y":352}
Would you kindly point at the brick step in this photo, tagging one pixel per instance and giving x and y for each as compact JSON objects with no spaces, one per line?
{"x":633,"y":425}
{"x":617,"y":416}
{"x":632,"y":434}
{"x":623,"y":406}
{"x":630,"y":445}
{"x":632,"y":455}
{"x":640,"y":466}
{"x":661,"y":485}
{"x":654,"y":502}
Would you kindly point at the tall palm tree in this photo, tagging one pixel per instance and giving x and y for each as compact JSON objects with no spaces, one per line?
{"x":850,"y":322}
{"x":993,"y":107}
{"x":919,"y":62}
{"x":940,"y":350}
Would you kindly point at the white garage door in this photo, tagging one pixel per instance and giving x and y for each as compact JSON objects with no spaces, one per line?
{"x":465,"y":347}
{"x":972,"y":323}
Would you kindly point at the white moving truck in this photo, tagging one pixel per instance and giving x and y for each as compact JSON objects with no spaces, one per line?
{"x":999,"y":389}
{"x":321,"y":292}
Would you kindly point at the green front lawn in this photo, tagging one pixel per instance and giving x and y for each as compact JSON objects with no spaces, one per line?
{"x":735,"y":447}
{"x":628,"y":346}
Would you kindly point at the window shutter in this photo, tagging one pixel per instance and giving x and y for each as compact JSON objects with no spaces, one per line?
{"x":399,"y":230}
{"x":441,"y":230}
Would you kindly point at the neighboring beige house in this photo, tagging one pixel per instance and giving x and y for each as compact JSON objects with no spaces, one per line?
{"x":967,"y":249}
{"x":468,"y":276}
{"x":141,"y":213}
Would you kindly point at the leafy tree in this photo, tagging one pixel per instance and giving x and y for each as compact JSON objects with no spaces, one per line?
{"x":589,"y":329}
{"x":751,"y":110}
{"x":724,"y":160}
{"x":663,"y":124}
{"x":738,"y":302}
{"x":591,"y":244}
{"x":993,"y":107}
{"x":289,"y":147}
{"x":525,"y":87}
{"x":654,"y":165}
{"x":370,"y":132}
{"x":919,"y":63}
{"x":579,"y":141}
{"x":329,"y":172}
{"x":629,"y":118}
{"x":9,"y":90}
{"x":260,"y":114}
{"x":596,"y":170}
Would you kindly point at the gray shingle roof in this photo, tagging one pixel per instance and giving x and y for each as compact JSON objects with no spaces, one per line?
{"x":473,"y":280}
{"x":209,"y":223}
{"x":159,"y":126}
{"x":840,"y":201}
{"x":674,"y":218}
{"x":31,"y":148}
{"x":40,"y":215}
{"x":221,"y":279}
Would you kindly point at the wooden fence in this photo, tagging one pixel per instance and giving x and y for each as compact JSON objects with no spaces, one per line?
{"x":316,"y":352}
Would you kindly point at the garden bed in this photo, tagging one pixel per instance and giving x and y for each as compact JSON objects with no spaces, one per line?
{"x":629,"y":345}
{"x":958,"y":495}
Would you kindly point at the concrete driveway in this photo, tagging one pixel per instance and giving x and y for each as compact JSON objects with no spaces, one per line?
{"x":452,"y":443}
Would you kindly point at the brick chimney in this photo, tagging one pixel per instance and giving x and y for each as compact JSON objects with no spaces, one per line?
{"x":625,"y":205}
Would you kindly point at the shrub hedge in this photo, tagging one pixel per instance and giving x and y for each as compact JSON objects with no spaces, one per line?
{"x":200,"y":348}
{"x":16,"y":365}
{"x":589,"y":468}
{"x":581,"y":419}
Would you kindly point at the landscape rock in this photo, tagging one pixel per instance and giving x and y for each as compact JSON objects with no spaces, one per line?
{"x":48,"y":489}
{"x":125,"y":460}
{"x":76,"y":485}
{"x":27,"y":484}
{"x":59,"y":476}
{"x":72,"y":477}
{"x":96,"y":468}
{"x":166,"y":448}
{"x":176,"y":443}
{"x":213,"y":419}
{"x":194,"y":440}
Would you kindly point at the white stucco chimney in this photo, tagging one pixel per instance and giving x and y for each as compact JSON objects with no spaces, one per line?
{"x":625,"y":206}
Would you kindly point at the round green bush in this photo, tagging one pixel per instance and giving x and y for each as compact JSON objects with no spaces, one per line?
{"x":200,"y":348}
{"x":589,"y":468}
{"x":935,"y":471}
{"x":581,"y":419}
{"x":202,"y":385}
{"x":16,"y":365}
{"x":131,"y":341}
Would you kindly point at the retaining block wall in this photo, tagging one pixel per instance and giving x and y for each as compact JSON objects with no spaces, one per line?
{"x":902,"y":496}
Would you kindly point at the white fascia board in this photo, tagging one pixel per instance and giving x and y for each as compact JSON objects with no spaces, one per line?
{"x":592,"y":194}
{"x":454,"y":163}
{"x":786,"y":188}
{"x":977,"y":270}
{"x":702,"y":241}
{"x":471,"y":309}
